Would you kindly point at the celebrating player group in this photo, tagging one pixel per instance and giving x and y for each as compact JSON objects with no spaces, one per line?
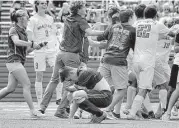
{"x":137,"y":47}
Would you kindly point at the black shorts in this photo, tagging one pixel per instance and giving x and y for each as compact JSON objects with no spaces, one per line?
{"x":173,"y":76}
{"x":100,"y":99}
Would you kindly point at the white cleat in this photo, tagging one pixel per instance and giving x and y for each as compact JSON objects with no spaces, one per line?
{"x":126,"y":111}
{"x":36,"y":114}
{"x":166,"y":117}
{"x":175,"y":111}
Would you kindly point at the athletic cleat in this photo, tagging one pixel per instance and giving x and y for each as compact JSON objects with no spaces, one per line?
{"x":151,"y":115}
{"x":61,"y":114}
{"x":97,"y":120}
{"x":126,"y":111}
{"x":36,"y":114}
{"x":166,"y":117}
{"x":175,"y":111}
{"x":110,"y":115}
{"x":117,"y":116}
{"x":131,"y":117}
{"x":58,"y":102}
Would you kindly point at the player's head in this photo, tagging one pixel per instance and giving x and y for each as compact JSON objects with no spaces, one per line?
{"x":68,"y":74}
{"x":113,"y":11}
{"x":150,"y":12}
{"x":78,"y":7}
{"x":127,"y":16}
{"x":41,"y":5}
{"x":18,"y":4}
{"x":166,"y":7}
{"x":139,"y":10}
{"x":21,"y":17}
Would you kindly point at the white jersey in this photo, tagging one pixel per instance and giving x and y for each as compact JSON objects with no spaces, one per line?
{"x":148,"y":32}
{"x":163,"y":50}
{"x":43,"y":31}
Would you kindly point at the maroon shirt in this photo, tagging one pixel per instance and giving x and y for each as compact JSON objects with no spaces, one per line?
{"x":121,"y":37}
{"x":73,"y":34}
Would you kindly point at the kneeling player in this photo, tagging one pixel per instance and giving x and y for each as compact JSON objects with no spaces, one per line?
{"x":91,"y":93}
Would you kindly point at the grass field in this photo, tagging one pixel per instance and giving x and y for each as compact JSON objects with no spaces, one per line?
{"x":16,"y":115}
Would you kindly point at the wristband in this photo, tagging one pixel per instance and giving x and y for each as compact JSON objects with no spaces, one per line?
{"x":32,"y":44}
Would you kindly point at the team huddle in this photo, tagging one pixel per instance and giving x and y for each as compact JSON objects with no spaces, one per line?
{"x":135,"y":62}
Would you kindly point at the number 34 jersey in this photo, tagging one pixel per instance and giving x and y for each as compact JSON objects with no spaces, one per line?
{"x":43,"y":30}
{"x":148,"y":34}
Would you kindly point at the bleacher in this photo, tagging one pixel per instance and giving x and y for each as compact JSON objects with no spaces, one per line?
{"x":17,"y":95}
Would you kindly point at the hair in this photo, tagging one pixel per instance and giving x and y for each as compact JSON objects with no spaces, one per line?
{"x":150,"y":11}
{"x":113,"y":10}
{"x":125,"y":15}
{"x":64,"y":73}
{"x":36,"y":2}
{"x":15,"y":14}
{"x":76,"y":5}
{"x":116,"y":18}
{"x":139,"y":10}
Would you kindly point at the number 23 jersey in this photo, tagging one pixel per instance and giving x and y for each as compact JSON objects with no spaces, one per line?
{"x":148,"y":33}
{"x":42,"y":29}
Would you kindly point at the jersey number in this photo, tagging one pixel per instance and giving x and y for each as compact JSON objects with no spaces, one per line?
{"x":143,"y":31}
{"x":166,"y":45}
{"x":36,"y":65}
{"x":46,"y":33}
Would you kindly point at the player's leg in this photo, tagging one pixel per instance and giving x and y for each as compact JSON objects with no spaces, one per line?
{"x":131,"y":92}
{"x":40,"y":67}
{"x":145,"y":84}
{"x":21,"y":76}
{"x":172,"y":101}
{"x":95,"y":100}
{"x":172,"y":82}
{"x":51,"y":56}
{"x":120,"y":79}
{"x":12,"y":82}
{"x":52,"y":84}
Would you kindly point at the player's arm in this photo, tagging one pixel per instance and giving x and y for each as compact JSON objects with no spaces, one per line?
{"x":73,"y":109}
{"x":176,"y":47}
{"x":97,"y":44}
{"x":84,"y":26}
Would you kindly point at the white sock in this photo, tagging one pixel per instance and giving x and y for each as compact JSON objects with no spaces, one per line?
{"x":39,"y":92}
{"x":137,"y":103}
{"x":59,"y":91}
{"x":163,"y":98}
{"x":117,"y":107}
{"x":147,"y":103}
{"x":131,"y":93}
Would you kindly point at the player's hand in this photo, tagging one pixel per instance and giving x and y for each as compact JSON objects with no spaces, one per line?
{"x":43,"y":44}
{"x":71,"y":89}
{"x":36,"y":46}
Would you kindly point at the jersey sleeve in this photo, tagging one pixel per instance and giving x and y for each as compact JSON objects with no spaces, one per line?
{"x":83,"y":24}
{"x":104,"y":36}
{"x":13,"y":32}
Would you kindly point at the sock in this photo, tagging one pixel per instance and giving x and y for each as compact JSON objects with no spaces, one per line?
{"x":59,"y":91}
{"x":137,"y":103}
{"x":131,"y":93}
{"x":39,"y":92}
{"x":117,"y":107}
{"x":147,"y":103}
{"x":163,"y":98}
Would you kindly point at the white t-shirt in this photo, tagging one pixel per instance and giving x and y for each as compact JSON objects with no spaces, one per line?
{"x":163,"y":50}
{"x":148,"y":33}
{"x":43,"y":31}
